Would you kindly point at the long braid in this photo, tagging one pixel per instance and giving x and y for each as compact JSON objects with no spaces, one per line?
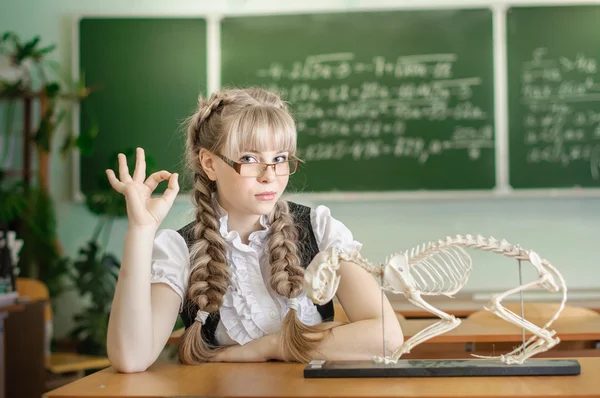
{"x":286,"y":273}
{"x":210,"y":269}
{"x":298,"y":340}
{"x":209,"y":275}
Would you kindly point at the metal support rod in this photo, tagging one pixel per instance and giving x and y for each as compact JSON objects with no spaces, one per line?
{"x":382,"y":319}
{"x":522,"y":306}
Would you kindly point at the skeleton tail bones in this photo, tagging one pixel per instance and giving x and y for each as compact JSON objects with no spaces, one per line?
{"x":442,"y":268}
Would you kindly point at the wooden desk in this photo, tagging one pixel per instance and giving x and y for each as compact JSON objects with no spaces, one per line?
{"x":464,"y":304}
{"x":470,"y":331}
{"x":286,"y":380}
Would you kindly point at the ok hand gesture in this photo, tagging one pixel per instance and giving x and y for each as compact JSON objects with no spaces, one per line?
{"x":142,"y":209}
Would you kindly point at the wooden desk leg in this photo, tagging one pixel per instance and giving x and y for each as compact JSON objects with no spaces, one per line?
{"x":2,"y":362}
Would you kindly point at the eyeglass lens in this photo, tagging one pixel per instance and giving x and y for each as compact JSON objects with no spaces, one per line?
{"x":257,"y":169}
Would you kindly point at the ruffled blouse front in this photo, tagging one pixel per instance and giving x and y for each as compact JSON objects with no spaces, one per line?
{"x":251,"y":308}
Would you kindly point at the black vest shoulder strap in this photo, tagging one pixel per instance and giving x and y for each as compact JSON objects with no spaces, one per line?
{"x":307,"y":246}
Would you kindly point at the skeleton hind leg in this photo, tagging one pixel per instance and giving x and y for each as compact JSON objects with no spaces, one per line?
{"x":546,"y":341}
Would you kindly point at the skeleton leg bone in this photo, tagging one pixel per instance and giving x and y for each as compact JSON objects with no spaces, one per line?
{"x":518,"y":356}
{"x":546,"y":340}
{"x":533,"y":342}
{"x":447,"y":322}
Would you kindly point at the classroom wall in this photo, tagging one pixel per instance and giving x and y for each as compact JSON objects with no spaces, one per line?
{"x":565,"y":230}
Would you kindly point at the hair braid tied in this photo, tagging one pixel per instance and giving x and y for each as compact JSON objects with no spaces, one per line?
{"x":298,"y":341}
{"x":209,"y":276}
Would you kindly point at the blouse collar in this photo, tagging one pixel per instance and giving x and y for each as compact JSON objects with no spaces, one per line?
{"x":256,"y":237}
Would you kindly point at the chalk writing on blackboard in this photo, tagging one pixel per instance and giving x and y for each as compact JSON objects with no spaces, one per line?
{"x":562,"y":95}
{"x":407,"y":107}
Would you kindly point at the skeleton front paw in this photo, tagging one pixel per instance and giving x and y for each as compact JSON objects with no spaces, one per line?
{"x":385,"y":360}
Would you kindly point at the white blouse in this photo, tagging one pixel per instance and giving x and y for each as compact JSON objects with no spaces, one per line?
{"x":251,"y":309}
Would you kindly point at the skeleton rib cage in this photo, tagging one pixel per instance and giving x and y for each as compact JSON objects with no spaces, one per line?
{"x":438,"y":270}
{"x":443,"y":268}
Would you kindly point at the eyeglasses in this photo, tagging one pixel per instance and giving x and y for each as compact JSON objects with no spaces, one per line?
{"x":257,"y":170}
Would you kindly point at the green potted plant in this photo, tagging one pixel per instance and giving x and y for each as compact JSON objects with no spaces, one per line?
{"x":28,"y":75}
{"x":94,"y":275}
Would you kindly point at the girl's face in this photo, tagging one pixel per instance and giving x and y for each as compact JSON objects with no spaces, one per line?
{"x":248,"y":194}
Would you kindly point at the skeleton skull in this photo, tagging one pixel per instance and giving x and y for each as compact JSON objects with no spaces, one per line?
{"x":320,"y":278}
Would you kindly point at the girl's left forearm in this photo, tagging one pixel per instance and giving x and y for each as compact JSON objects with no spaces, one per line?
{"x":259,"y":350}
{"x":360,"y":340}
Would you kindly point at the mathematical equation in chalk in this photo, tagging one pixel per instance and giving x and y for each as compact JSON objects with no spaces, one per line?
{"x":422,"y":92}
{"x":562,"y":95}
{"x":464,"y":110}
{"x":559,"y":80}
{"x":463,"y":138}
{"x":564,"y":153}
{"x":340,"y":66}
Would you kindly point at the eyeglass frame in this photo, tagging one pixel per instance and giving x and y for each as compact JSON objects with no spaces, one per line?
{"x":237,"y":166}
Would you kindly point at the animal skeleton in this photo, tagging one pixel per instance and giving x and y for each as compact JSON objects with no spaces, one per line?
{"x":442,"y":268}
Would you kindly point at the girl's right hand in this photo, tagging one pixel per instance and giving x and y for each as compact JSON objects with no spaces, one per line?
{"x":142,"y":209}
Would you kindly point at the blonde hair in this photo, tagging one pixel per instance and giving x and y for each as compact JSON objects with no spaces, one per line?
{"x":230,"y":121}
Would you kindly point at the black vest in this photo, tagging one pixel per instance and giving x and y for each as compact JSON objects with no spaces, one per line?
{"x":308,"y":249}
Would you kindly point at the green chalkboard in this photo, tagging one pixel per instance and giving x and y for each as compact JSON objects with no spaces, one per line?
{"x":151,"y":70}
{"x":554,"y":96}
{"x":384,"y":100}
